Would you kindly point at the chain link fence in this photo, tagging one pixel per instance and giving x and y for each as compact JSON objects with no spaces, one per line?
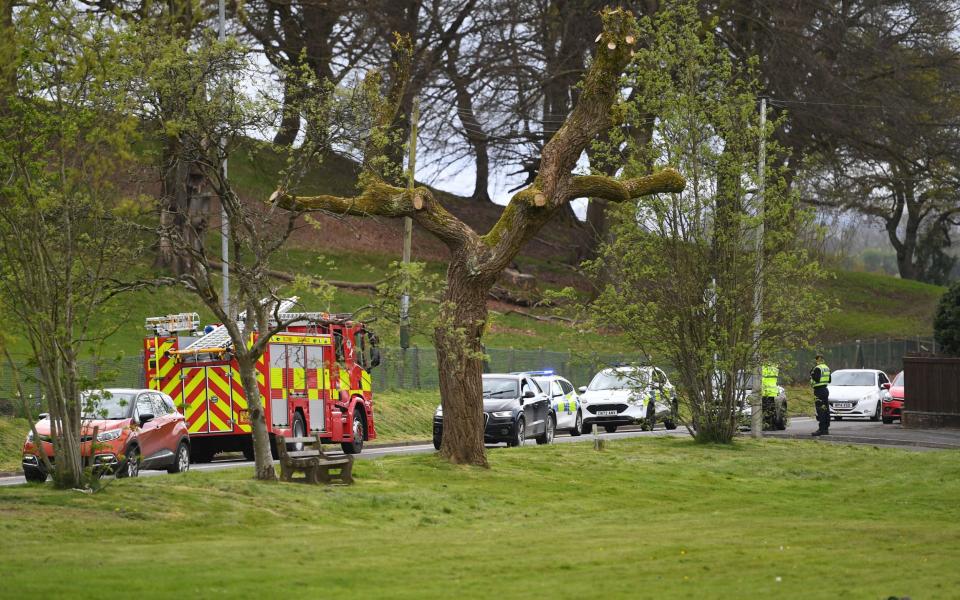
{"x":416,"y":368}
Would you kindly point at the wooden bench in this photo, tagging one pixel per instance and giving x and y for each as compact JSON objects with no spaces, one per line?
{"x":316,"y":466}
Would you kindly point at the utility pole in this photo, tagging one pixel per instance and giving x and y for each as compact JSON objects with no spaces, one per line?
{"x":756,"y":410}
{"x":408,"y":225}
{"x":224,"y":221}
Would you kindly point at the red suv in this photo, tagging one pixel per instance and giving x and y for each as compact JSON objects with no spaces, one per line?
{"x":136,"y":429}
{"x":893,"y":404}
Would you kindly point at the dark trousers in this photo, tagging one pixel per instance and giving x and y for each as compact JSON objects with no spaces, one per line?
{"x":823,"y":408}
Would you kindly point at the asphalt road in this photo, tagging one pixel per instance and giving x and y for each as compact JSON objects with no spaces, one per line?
{"x":376,"y":452}
{"x":856,"y":431}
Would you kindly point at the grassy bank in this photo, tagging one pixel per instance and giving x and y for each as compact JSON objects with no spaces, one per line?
{"x":12,"y":433}
{"x":654,"y":518}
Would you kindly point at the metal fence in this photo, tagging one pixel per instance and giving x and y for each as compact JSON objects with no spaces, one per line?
{"x":884,"y":354}
{"x":416,"y":368}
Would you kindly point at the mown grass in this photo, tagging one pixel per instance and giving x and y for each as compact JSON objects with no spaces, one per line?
{"x":655,"y":518}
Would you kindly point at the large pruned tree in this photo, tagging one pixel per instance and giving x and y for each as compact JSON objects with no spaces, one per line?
{"x":477,"y":260}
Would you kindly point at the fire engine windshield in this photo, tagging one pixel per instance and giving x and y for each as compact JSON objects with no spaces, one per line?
{"x":500,"y":388}
{"x":106,"y":405}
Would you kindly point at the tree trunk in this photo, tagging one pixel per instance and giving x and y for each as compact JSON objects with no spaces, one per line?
{"x":184,"y":211}
{"x":262,"y":459}
{"x":290,"y":119}
{"x":460,"y":365}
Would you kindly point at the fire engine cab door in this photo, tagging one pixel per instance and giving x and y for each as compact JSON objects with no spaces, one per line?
{"x":219,"y":403}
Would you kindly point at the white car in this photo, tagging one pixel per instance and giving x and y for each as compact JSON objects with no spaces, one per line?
{"x":563,"y":398}
{"x":624,"y":395}
{"x":857,"y":393}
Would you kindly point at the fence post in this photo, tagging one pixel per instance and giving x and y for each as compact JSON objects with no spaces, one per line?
{"x":416,"y":368}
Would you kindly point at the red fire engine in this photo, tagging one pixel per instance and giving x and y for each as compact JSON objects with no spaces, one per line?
{"x":313,"y":378}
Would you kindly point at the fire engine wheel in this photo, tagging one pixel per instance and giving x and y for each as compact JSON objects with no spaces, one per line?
{"x":131,"y":465}
{"x":577,"y":428}
{"x":359,"y":432}
{"x":181,"y":463}
{"x":299,"y":430}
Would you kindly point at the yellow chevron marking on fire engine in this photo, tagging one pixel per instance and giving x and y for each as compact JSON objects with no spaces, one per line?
{"x":365,"y":381}
{"x":200,"y":424}
{"x":164,"y":363}
{"x":310,"y":340}
{"x":215,"y":423}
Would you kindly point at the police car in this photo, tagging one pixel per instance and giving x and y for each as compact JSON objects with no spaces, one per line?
{"x":563,"y":399}
{"x":625,"y":394}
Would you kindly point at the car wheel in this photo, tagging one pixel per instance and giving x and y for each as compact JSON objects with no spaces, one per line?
{"x":547,"y":436}
{"x":610,"y":428}
{"x":131,"y":464}
{"x":877,"y":413}
{"x":299,"y":430}
{"x":669,"y":424}
{"x":519,"y":434}
{"x":359,"y":432}
{"x":887,"y":420}
{"x":34,"y":475}
{"x":577,"y":428}
{"x":838,"y":418}
{"x":181,"y":463}
{"x":437,"y":440}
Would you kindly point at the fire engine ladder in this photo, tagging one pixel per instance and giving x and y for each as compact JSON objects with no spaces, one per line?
{"x":173,"y":323}
{"x":219,"y":337}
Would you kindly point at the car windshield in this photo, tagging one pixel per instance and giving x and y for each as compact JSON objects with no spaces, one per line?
{"x":618,"y":380}
{"x":898,"y":382}
{"x":500,"y":388}
{"x":107,"y":405}
{"x":853,"y":378}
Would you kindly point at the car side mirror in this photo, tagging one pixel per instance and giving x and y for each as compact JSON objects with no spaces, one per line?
{"x":529,"y":394}
{"x":43,"y":416}
{"x":145,"y":418}
{"x":582,"y":389}
{"x":885,"y":386}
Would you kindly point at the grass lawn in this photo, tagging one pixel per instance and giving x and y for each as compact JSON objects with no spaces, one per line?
{"x":649,"y":518}
{"x":12,"y":434}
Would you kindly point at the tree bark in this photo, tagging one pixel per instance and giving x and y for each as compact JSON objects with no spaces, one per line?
{"x":460,"y":363}
{"x":290,"y":119}
{"x":262,"y":458}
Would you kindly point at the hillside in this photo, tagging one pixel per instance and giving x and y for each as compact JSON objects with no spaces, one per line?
{"x":866,"y":306}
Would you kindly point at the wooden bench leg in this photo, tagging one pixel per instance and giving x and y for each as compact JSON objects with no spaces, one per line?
{"x":346,"y":472}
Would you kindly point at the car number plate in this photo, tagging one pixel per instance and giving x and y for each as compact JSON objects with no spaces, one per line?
{"x":843,"y":404}
{"x":606,"y":413}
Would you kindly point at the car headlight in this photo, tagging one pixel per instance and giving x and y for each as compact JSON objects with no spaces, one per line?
{"x":106,"y":436}
{"x":502,"y":414}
